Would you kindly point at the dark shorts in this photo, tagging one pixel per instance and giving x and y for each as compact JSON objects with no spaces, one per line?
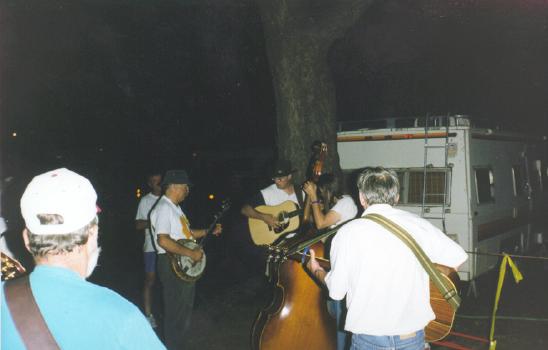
{"x":150,"y":261}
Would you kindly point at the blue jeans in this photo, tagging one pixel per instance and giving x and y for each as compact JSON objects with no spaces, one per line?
{"x":372,"y":342}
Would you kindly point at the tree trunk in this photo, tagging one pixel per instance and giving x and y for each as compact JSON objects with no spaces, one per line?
{"x":305,"y":104}
{"x":298,"y":35}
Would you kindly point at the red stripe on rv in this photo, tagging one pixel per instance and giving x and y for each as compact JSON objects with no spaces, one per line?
{"x":357,"y":138}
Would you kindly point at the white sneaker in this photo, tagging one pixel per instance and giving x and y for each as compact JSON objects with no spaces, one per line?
{"x":152,"y":321}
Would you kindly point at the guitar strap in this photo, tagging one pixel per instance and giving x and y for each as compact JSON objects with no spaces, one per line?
{"x":447,"y":290}
{"x":26,"y":315}
{"x":150,"y":227}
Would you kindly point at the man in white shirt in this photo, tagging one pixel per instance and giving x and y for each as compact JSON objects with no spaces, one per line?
{"x":280,"y":191}
{"x":169,"y":224}
{"x":386,"y":288}
{"x":149,"y":253}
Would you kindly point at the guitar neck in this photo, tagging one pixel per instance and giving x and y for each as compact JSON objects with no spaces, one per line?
{"x":294,"y":213}
{"x":211,"y":227}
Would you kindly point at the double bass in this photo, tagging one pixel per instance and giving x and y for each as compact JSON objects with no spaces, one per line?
{"x":297,"y":316}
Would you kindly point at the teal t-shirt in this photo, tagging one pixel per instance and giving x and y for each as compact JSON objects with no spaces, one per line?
{"x":82,"y":315}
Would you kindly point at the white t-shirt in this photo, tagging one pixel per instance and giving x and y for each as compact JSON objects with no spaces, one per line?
{"x":272,"y":195}
{"x":143,"y":209}
{"x":167,"y":218}
{"x":346,"y":208}
{"x":386,"y":288}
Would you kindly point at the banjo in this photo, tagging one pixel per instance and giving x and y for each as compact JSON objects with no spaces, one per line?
{"x":183,"y":266}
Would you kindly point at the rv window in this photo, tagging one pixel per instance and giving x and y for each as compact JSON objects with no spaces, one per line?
{"x":485,"y":185}
{"x":517,"y":180}
{"x":435,"y":187}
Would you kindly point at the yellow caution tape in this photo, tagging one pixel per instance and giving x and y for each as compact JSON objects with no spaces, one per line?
{"x":517,"y":277}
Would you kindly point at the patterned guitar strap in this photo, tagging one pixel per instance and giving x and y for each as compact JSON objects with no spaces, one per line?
{"x":447,"y":290}
{"x":185,"y":227}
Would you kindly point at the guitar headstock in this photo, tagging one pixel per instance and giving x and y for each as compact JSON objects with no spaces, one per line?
{"x":225,"y":206}
{"x":11,"y":268}
{"x":319,"y":149}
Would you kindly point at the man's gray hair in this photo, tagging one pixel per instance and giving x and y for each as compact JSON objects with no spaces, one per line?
{"x":42,"y":245}
{"x":379,"y":185}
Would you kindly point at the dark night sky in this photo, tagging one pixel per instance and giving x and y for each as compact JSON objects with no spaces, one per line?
{"x":104,"y":86}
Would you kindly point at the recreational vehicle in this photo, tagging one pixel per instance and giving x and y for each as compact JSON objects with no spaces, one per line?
{"x":485,"y":188}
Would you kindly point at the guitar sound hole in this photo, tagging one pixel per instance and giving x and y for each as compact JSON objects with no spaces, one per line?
{"x":281,"y":228}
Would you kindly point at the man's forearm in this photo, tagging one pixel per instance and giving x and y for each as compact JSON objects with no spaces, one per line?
{"x":199,"y":233}
{"x":320,"y":274}
{"x":248,"y":211}
{"x":171,"y":246}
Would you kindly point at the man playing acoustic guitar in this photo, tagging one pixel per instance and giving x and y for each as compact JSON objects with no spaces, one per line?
{"x":386,"y":288}
{"x":280,"y":191}
{"x":169,"y":224}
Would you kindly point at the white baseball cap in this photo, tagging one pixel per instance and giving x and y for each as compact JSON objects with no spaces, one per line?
{"x":61,"y":192}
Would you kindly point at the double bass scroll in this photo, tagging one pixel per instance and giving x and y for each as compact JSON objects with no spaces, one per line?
{"x":319,"y":152}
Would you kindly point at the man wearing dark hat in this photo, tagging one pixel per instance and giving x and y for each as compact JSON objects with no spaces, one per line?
{"x":169,"y":224}
{"x":280,"y":191}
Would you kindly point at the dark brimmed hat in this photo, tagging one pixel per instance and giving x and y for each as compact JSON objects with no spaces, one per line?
{"x":176,"y":177}
{"x":282,"y":168}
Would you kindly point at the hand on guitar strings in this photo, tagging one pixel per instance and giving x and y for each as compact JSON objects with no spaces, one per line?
{"x":271,"y":221}
{"x":197,"y":255}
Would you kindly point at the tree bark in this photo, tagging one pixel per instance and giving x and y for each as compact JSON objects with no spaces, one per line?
{"x":298,"y":36}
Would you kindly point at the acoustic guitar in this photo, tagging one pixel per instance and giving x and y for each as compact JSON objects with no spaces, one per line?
{"x":444,"y":313}
{"x":287,"y":214}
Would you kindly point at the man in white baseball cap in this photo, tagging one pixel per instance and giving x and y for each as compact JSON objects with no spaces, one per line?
{"x":60,"y":213}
